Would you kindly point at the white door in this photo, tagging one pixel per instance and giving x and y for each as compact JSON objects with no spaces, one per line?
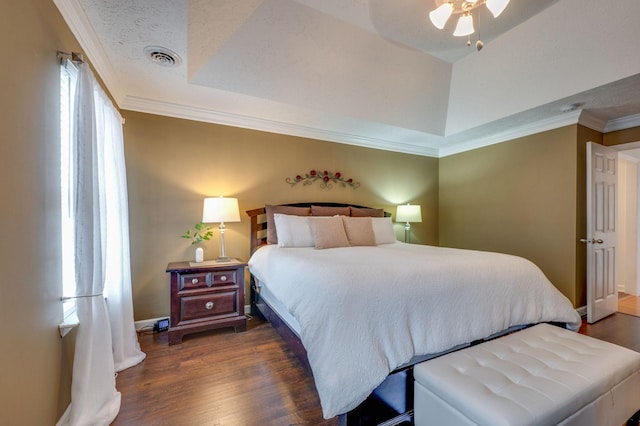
{"x":602,"y":251}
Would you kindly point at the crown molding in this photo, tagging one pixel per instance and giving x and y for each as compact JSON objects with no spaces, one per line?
{"x":622,"y":123}
{"x":150,"y":106}
{"x":77,"y":20}
{"x":589,"y":120}
{"x":603,"y":126}
{"x":514,"y":133}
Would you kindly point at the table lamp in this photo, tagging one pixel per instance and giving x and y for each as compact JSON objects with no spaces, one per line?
{"x":408,"y":213}
{"x":221,"y":210}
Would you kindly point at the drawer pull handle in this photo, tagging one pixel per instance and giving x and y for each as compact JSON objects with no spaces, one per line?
{"x":209,"y":305}
{"x":194,"y":281}
{"x":223,"y":278}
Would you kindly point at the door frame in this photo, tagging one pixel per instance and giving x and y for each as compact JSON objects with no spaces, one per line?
{"x":623,"y":149}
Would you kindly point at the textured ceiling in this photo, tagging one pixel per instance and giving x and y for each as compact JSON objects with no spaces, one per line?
{"x":369,"y":72}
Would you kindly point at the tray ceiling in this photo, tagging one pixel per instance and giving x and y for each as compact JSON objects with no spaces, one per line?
{"x":369,"y":72}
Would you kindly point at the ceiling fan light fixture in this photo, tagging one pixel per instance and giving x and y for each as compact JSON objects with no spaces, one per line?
{"x":496,"y":6}
{"x":465,"y":26}
{"x":464,"y":8}
{"x":440,"y":16}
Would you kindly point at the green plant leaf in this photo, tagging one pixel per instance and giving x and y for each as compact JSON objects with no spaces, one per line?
{"x":201,"y":232}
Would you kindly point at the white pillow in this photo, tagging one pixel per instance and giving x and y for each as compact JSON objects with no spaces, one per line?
{"x":383,"y":230}
{"x":293,"y":231}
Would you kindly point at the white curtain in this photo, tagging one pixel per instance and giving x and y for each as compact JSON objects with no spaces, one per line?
{"x":106,"y":341}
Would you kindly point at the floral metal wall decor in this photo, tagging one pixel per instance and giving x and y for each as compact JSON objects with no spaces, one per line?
{"x":325,"y":177}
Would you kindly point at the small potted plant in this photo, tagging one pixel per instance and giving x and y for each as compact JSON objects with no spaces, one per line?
{"x":200,"y":233}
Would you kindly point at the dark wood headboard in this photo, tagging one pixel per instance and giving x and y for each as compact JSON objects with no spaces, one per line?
{"x":258,"y":218}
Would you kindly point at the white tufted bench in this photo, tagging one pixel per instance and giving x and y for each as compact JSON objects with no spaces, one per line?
{"x":543,"y":375}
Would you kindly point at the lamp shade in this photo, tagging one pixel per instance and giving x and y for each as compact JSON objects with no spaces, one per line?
{"x":441,"y":15}
{"x":408,"y":213}
{"x":497,"y":6}
{"x":465,"y":26}
{"x":220,"y":209}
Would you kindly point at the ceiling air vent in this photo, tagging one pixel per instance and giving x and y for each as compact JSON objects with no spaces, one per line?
{"x":162,"y":56}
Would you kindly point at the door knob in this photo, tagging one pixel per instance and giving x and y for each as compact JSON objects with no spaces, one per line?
{"x":591,"y":241}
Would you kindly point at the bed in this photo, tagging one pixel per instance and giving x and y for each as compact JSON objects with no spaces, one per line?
{"x":361,"y":313}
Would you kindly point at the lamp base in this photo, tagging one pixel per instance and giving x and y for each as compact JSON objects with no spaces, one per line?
{"x":407,"y":232}
{"x":223,"y":259}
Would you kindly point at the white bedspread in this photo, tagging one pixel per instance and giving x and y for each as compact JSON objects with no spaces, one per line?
{"x":364,"y":311}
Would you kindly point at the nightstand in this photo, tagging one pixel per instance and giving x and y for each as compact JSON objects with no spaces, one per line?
{"x":205,"y":296}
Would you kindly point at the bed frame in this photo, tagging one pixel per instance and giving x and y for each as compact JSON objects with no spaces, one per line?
{"x":392,"y":402}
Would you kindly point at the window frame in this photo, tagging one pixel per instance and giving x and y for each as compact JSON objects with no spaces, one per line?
{"x":68,"y":84}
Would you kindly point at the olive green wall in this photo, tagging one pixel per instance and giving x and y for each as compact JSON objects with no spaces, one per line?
{"x":172,"y":164}
{"x":30,"y":307}
{"x":517,"y":197}
{"x":622,"y":136}
{"x":524,"y":197}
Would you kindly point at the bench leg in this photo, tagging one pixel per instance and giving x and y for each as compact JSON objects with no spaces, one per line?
{"x":634,"y":420}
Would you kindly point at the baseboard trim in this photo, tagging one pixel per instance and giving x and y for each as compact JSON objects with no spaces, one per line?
{"x":582,"y":310}
{"x":147,"y":323}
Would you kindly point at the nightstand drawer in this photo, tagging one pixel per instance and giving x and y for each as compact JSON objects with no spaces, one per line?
{"x":224,"y":277}
{"x":197,"y":280}
{"x":208,"y":305}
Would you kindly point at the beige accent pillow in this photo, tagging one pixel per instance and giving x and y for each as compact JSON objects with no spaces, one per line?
{"x":328,"y":232}
{"x":329,"y":211}
{"x":359,"y":231}
{"x":366,"y":212}
{"x":272,"y":234}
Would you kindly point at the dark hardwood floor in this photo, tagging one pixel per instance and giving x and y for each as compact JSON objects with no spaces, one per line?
{"x":219,"y":378}
{"x":619,"y":328}
{"x":245,"y":379}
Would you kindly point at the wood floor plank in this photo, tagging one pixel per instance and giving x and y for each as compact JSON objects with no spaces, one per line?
{"x":224,"y":378}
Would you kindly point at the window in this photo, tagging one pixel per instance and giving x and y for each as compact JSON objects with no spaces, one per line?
{"x":68,"y":78}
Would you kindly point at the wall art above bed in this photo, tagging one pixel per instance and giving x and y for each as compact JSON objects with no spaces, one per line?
{"x":326,"y":178}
